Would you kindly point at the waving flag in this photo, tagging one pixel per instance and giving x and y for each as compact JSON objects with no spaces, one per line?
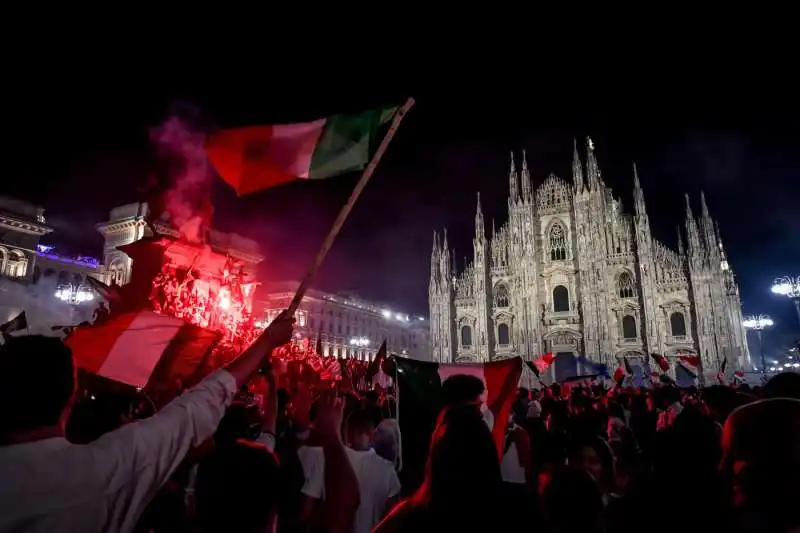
{"x":419,"y":398}
{"x":542,"y":363}
{"x":144,"y":349}
{"x":254,"y":158}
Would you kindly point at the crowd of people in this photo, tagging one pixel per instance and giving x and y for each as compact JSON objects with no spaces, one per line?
{"x":245,"y":451}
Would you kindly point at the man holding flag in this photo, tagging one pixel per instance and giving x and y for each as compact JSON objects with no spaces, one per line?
{"x":104,"y":485}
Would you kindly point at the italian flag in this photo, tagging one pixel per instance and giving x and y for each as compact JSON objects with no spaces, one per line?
{"x":419,"y":399}
{"x":144,"y":349}
{"x":254,"y":158}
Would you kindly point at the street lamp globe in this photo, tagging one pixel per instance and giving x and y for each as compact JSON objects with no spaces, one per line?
{"x":789,"y":286}
{"x":758,"y":323}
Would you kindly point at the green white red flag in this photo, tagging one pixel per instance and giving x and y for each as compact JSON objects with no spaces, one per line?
{"x":255,"y":158}
{"x":144,"y":349}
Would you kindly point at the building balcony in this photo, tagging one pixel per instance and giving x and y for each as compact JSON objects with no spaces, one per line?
{"x":680,"y":339}
{"x":630,"y":341}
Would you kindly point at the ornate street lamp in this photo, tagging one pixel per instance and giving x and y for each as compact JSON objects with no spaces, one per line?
{"x":74,"y":295}
{"x":759,"y":323}
{"x":789,"y":286}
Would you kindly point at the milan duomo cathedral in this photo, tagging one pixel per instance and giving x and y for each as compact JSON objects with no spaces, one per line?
{"x":572,"y":274}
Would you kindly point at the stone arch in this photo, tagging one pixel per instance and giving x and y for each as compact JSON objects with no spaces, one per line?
{"x":626,"y":288}
{"x":557,"y":240}
{"x":503,"y":334}
{"x":560,"y":299}
{"x":16,"y":263}
{"x":501,"y":295}
{"x":465,"y":335}
{"x":677,"y":324}
{"x":629,"y":330}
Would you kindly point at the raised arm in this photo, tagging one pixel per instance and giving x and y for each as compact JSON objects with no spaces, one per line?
{"x":146,"y":453}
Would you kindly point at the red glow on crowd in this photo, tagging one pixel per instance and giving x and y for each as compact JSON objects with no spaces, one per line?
{"x":216,"y":293}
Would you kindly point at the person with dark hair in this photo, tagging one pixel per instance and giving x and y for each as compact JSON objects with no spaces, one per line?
{"x":462,"y":389}
{"x":761,"y":460}
{"x":237,"y":489}
{"x":49,"y":484}
{"x":784,"y":385}
{"x":462,"y":487}
{"x":377,"y":479}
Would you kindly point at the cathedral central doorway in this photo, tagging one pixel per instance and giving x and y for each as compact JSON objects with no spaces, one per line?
{"x":565,"y":366}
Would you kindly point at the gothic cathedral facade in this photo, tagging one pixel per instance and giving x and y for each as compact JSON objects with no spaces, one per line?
{"x":572,"y":274}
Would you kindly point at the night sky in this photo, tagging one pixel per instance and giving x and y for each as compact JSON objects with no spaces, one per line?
{"x":82,"y":148}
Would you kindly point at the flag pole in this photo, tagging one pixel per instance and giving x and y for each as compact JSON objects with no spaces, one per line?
{"x":345,"y":211}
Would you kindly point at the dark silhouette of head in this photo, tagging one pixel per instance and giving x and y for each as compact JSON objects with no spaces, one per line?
{"x":238,"y":488}
{"x":37,"y":386}
{"x":461,"y":389}
{"x":784,"y":385}
{"x":463,"y":468}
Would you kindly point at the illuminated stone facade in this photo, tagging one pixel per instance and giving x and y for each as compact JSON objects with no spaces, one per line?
{"x":349,"y":326}
{"x":571,"y":273}
{"x":128,"y":224}
{"x":21,"y":226}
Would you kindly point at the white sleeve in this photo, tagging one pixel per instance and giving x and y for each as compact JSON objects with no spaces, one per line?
{"x":394,"y":483}
{"x":143,"y":455}
{"x":314,"y":472}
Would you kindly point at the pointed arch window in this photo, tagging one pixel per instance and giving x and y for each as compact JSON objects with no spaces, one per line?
{"x":629,"y":327}
{"x":558,"y":242}
{"x":560,"y":299}
{"x":466,"y":336}
{"x":625,"y":285}
{"x":501,"y":298}
{"x":677,"y":323}
{"x":503,"y":335}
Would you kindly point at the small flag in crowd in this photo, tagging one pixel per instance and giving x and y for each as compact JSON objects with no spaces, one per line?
{"x":690,"y":363}
{"x":420,"y":384}
{"x":15,"y":324}
{"x":540,"y":364}
{"x":143,"y":349}
{"x":254,"y":158}
{"x":661,"y":361}
{"x":376,"y":366}
{"x":721,"y":372}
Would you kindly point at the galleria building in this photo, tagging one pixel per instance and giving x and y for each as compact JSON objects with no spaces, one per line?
{"x":571,"y":274}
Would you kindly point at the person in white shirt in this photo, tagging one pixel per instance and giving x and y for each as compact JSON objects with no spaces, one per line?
{"x":378,"y":483}
{"x":49,"y":484}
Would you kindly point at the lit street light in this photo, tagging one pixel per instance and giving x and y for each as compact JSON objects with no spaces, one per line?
{"x":74,"y":295}
{"x":789,"y":286}
{"x":758,"y":323}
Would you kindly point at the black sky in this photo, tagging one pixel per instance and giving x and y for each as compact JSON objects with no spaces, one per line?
{"x":80,"y":146}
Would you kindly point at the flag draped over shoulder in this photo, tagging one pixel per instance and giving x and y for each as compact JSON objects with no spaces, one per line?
{"x":254,"y":158}
{"x":144,"y":349}
{"x":419,"y":399}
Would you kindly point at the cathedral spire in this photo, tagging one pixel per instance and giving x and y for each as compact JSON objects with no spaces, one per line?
{"x":680,"y":240}
{"x":638,"y":195}
{"x":708,"y":226}
{"x":703,"y":207}
{"x":692,"y":234}
{"x":577,"y":167}
{"x":434,"y":281}
{"x":480,"y":232}
{"x":592,"y":169}
{"x":513,"y":182}
{"x":527,"y":193}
